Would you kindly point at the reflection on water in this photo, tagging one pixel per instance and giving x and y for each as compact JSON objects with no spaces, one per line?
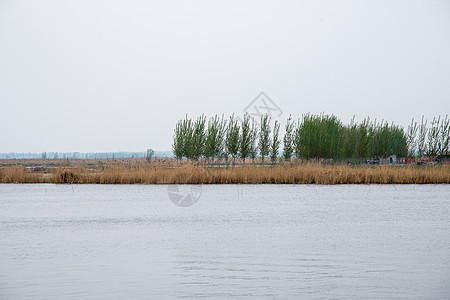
{"x":252,"y":241}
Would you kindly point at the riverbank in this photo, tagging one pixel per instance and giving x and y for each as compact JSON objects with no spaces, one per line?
{"x":192,"y":174}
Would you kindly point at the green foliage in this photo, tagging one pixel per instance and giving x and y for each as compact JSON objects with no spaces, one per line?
{"x":312,"y":136}
{"x":179,"y":139}
{"x":245,"y":140}
{"x":444,"y":136}
{"x":275,"y":146}
{"x":350,"y":136}
{"x":438,"y":136}
{"x":386,"y":140}
{"x":433,"y":138}
{"x":318,"y":136}
{"x":215,"y":137}
{"x":232,"y":138}
{"x":363,"y":139}
{"x":188,"y":132}
{"x":264,"y":136}
{"x":253,"y":141}
{"x":198,"y":138}
{"x":398,"y":140}
{"x":288,"y":139}
{"x":189,"y":138}
{"x":299,"y":145}
{"x":380,"y":139}
{"x":421,"y":143}
{"x":411,"y":142}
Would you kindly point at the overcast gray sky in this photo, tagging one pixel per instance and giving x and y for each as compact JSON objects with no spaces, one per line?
{"x":117,"y":75}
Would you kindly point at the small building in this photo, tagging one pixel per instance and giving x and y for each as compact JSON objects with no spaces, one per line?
{"x":390,"y":160}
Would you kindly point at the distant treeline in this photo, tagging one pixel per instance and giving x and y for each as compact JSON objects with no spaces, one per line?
{"x":78,"y":155}
{"x":311,"y":136}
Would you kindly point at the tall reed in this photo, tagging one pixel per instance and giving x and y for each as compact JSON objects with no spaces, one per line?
{"x":297,"y":173}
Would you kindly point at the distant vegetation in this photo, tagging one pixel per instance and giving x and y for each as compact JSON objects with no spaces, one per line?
{"x":80,"y":155}
{"x":311,"y":137}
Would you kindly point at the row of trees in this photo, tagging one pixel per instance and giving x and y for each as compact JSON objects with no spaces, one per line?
{"x":324,"y":136}
{"x":432,"y":140}
{"x":312,"y":136}
{"x":220,"y":138}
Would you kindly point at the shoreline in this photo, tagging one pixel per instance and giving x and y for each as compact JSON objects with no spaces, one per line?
{"x":309,"y":173}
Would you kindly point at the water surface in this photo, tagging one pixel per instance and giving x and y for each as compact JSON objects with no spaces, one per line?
{"x":237,"y":241}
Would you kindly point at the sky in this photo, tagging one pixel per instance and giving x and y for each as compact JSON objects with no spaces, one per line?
{"x":95,"y":76}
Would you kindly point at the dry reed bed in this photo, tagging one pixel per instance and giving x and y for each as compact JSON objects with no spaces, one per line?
{"x":191,"y":174}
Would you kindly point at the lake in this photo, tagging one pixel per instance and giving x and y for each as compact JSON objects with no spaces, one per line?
{"x":230,"y":241}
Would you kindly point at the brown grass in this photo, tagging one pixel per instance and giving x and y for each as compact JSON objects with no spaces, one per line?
{"x":190,"y":174}
{"x":18,"y":174}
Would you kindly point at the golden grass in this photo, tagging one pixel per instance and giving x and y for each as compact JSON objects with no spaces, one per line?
{"x":18,"y":174}
{"x":191,"y":174}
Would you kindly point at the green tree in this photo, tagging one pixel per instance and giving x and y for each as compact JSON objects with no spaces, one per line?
{"x":245,"y":140}
{"x":411,"y":142}
{"x":214,"y":138}
{"x":399,"y":139}
{"x":198,"y":138}
{"x":232,"y":139}
{"x":421,"y":142}
{"x":288,"y":140}
{"x":181,"y":136}
{"x":350,"y":139}
{"x":297,"y":142}
{"x":363,"y":139}
{"x":318,"y":136}
{"x":444,"y":136}
{"x":264,"y":136}
{"x":275,"y":145}
{"x":253,"y":141}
